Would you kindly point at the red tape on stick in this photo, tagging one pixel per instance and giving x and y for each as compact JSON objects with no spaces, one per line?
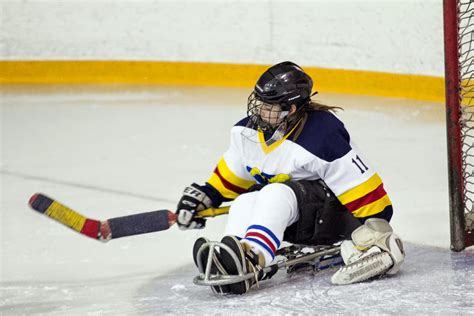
{"x":91,"y":228}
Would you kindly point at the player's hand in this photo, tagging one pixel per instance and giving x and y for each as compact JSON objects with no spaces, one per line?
{"x":192,"y":201}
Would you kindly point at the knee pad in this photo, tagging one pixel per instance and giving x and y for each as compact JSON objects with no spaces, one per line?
{"x":373,"y":230}
{"x":378,"y":232}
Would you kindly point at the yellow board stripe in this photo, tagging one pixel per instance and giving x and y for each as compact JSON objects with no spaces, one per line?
{"x":373,"y":208}
{"x":362,"y":189}
{"x":418,"y":87}
{"x":66,"y":216}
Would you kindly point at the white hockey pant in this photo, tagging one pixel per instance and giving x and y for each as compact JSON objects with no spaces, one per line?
{"x":260,"y":218}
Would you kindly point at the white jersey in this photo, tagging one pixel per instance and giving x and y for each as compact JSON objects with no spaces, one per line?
{"x":323,"y":150}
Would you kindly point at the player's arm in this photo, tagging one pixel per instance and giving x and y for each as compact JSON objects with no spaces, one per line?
{"x":230,"y":177}
{"x":352,"y":179}
{"x":228,"y":180}
{"x":368,"y":199}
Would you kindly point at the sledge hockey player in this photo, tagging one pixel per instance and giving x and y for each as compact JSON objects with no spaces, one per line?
{"x":295,"y":175}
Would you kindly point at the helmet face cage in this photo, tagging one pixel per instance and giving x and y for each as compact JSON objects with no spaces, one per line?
{"x":266,"y":116}
{"x":277,"y":89}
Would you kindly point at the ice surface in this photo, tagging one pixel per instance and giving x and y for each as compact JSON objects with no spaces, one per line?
{"x":418,"y":289}
{"x":109,"y":151}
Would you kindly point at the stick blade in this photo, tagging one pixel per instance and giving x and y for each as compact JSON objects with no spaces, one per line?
{"x":64,"y":215}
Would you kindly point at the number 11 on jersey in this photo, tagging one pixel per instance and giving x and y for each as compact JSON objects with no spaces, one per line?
{"x":358,"y":162}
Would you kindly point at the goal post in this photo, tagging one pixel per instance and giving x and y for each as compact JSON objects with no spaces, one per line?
{"x":459,"y":80}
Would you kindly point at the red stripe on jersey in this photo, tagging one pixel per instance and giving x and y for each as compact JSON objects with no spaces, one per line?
{"x":370,"y":197}
{"x":229,"y":185}
{"x":263,"y":238}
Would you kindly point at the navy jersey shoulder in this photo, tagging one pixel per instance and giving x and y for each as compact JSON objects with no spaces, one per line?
{"x":325,"y":136}
{"x":243,"y":122}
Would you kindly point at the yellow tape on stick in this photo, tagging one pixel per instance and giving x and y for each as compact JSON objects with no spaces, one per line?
{"x":66,"y":216}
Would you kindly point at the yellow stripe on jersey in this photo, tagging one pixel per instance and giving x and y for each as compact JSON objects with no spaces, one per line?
{"x":373,"y":208}
{"x":216,"y":182}
{"x":231,"y":177}
{"x":227,"y":183}
{"x":269,"y":148}
{"x":362,"y":189}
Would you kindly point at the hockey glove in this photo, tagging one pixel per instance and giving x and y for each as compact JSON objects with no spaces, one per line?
{"x":192,"y":201}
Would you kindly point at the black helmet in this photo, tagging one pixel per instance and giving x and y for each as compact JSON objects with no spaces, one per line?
{"x":285,"y":84}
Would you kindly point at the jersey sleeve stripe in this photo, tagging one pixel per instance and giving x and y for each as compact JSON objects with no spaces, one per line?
{"x":216,"y":182}
{"x":373,"y":208}
{"x":361,"y":190}
{"x":227,"y":183}
{"x":371,"y":197}
{"x":226,"y":173}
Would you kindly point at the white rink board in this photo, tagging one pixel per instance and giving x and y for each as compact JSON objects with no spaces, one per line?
{"x":396,"y":36}
{"x":116,"y":150}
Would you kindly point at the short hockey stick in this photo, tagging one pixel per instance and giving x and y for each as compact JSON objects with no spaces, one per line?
{"x":112,"y":228}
